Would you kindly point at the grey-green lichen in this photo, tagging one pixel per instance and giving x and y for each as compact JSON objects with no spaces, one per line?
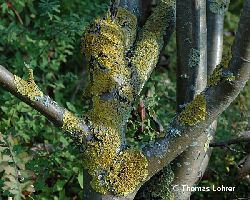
{"x":194,"y":112}
{"x":194,"y":58}
{"x":219,"y":6}
{"x":159,"y":187}
{"x":28,"y":88}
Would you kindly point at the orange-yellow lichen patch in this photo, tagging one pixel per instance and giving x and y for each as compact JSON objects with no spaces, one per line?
{"x":128,"y":170}
{"x":128,"y":22}
{"x":100,"y":154}
{"x":150,"y":41}
{"x":28,"y":88}
{"x":71,"y":123}
{"x":105,"y":44}
{"x":105,"y":112}
{"x":194,"y":112}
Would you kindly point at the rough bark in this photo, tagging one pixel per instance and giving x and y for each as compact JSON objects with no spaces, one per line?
{"x":135,"y":74}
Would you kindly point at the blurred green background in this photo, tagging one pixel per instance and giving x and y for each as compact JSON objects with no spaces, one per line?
{"x":36,"y":160}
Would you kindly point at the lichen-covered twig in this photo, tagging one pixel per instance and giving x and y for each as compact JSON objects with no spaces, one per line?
{"x":29,"y":92}
{"x":150,"y":42}
{"x":108,"y":48}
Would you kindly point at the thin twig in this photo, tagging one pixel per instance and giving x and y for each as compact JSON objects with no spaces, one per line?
{"x":242,"y":139}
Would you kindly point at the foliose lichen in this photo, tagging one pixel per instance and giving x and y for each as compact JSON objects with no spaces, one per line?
{"x":194,"y":58}
{"x":194,"y":112}
{"x":219,"y":6}
{"x":215,"y":78}
{"x":70,"y":122}
{"x":128,"y":170}
{"x":28,"y":88}
{"x":159,"y":186}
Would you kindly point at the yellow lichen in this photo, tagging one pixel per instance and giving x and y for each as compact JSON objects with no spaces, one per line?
{"x":100,"y":154}
{"x":70,"y":122}
{"x":150,"y":41}
{"x":206,"y":145}
{"x":105,"y":44}
{"x":105,"y":112}
{"x":28,"y":88}
{"x":217,"y":75}
{"x":215,"y":78}
{"x":128,"y":170}
{"x":99,"y":185}
{"x":194,"y":112}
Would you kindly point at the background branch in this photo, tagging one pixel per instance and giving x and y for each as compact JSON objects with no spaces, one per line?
{"x":244,"y":137}
{"x":191,"y":30}
{"x":191,"y":164}
{"x":217,"y":97}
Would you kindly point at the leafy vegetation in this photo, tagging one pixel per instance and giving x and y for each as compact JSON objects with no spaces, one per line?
{"x":36,"y":160}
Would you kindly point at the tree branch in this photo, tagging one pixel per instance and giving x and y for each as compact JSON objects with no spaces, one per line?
{"x":192,"y":163}
{"x":217,"y":98}
{"x":44,"y":104}
{"x":243,"y":138}
{"x":150,"y":42}
{"x":133,"y":6}
{"x":191,"y":78}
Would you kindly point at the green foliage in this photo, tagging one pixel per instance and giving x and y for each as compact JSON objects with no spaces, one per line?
{"x":45,"y":34}
{"x":16,"y":180}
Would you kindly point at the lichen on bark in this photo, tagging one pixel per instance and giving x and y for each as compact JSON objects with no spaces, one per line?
{"x":28,"y":88}
{"x":220,"y":73}
{"x":150,"y":41}
{"x":219,"y":6}
{"x":194,"y":112}
{"x":112,"y":168}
